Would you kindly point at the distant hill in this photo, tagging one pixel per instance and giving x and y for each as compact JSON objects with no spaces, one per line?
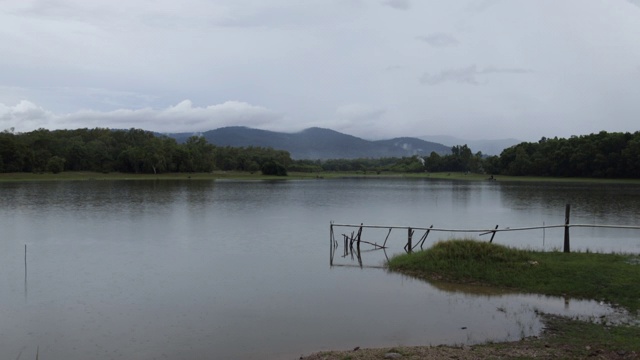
{"x":488,"y":147}
{"x":318,"y":143}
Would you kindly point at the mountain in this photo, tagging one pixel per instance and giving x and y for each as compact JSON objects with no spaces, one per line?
{"x":488,"y":147}
{"x":318,"y":143}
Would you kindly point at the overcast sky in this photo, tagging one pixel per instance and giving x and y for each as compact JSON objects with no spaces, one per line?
{"x":475,"y":69}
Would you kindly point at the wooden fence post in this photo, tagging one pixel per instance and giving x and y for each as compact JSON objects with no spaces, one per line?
{"x":567,"y":213}
{"x":331,"y":247}
{"x":493,"y":234}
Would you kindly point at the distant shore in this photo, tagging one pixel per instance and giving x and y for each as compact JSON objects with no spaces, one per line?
{"x":240,"y":175}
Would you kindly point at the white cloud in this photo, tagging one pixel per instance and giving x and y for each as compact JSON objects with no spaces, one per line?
{"x":182,"y":117}
{"x":25,"y":115}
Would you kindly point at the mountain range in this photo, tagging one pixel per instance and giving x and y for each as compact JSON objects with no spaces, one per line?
{"x":318,"y":143}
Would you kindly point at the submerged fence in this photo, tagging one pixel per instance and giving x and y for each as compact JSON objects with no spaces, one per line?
{"x":353,"y":241}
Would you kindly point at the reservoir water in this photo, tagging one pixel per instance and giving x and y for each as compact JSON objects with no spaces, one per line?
{"x":240,"y":269}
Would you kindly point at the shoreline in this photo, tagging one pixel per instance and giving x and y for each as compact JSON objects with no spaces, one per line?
{"x":562,"y":337}
{"x":240,"y":175}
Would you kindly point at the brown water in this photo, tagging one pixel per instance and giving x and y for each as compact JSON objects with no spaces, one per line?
{"x":231,"y":269}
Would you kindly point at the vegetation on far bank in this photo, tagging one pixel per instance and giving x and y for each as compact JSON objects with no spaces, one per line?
{"x":614,"y":278}
{"x":246,"y":175}
{"x":602,"y":155}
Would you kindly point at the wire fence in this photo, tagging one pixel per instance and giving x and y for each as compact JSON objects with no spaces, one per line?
{"x":353,"y":241}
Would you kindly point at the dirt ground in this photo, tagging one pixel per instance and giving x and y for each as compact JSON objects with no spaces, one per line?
{"x":531,"y":348}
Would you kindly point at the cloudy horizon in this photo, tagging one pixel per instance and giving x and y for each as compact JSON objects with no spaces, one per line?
{"x":473,"y":69}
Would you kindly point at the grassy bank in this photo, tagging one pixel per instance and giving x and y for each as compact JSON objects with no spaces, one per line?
{"x":86,"y":175}
{"x":610,"y":277}
{"x":243,"y":175}
{"x":613,"y":278}
{"x":562,"y":339}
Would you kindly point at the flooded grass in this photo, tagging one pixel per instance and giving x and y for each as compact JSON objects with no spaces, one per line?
{"x":612,"y":278}
{"x":563,"y":338}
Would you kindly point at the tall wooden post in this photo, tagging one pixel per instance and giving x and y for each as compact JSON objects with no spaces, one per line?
{"x":410,"y":235}
{"x":567,"y":213}
{"x":331,"y":247}
{"x":493,"y":235}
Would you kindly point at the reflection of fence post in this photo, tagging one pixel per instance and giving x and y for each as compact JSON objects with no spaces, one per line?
{"x":359,"y":236}
{"x":567,"y":212}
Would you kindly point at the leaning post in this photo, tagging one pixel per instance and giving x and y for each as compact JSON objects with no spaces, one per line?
{"x":331,"y":243}
{"x":567,"y":213}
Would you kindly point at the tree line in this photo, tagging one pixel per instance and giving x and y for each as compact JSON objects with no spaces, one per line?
{"x":601,"y":155}
{"x":129,"y":151}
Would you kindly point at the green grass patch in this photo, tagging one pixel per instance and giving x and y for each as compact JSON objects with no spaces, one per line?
{"x":614,"y":278}
{"x":563,"y":338}
{"x":245,"y":175}
{"x":574,"y":339}
{"x":87,"y":175}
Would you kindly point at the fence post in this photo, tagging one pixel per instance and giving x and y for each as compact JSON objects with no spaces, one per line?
{"x":494,"y":234}
{"x":331,"y":240}
{"x":567,"y":213}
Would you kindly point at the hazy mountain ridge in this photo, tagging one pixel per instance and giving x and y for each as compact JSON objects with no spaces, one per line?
{"x":318,"y":143}
{"x":321,"y":143}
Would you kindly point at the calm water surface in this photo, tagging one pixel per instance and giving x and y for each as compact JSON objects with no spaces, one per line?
{"x":232,"y":269}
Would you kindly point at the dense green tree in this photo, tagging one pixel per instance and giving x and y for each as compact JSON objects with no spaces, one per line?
{"x":55,"y":164}
{"x":433,"y":162}
{"x":272,"y":167}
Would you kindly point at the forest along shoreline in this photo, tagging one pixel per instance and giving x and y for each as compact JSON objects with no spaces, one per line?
{"x":612,"y":278}
{"x":603,"y":155}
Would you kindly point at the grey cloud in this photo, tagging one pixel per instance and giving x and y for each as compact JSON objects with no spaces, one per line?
{"x":634,"y":2}
{"x":467,"y":75}
{"x":398,"y":4}
{"x":439,"y":40}
{"x":482,"y":5}
{"x":359,"y":112}
{"x":393,"y":67}
{"x":496,"y":70}
{"x":464,"y":76}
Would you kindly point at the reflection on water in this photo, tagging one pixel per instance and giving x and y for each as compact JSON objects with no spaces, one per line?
{"x":238,"y":269}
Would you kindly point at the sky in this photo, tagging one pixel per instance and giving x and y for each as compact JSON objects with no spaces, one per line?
{"x":375,"y":69}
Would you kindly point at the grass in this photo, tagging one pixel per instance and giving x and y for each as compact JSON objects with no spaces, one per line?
{"x":563,"y":338}
{"x":85,"y":175}
{"x":614,"y":278}
{"x":243,"y":175}
{"x":575,"y":339}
